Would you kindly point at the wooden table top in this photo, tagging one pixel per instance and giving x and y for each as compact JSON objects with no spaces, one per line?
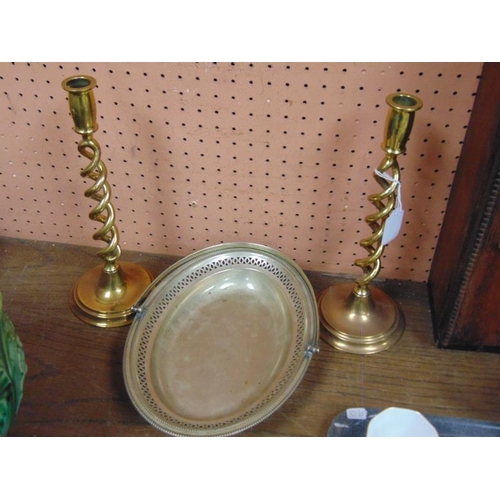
{"x":75,"y":387}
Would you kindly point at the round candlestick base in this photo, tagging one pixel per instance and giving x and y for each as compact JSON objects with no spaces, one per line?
{"x":105,"y":299}
{"x":359,"y":324}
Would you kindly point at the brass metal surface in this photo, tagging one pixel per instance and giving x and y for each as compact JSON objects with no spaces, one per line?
{"x":362,"y":324}
{"x":106,"y":299}
{"x":397,"y":131}
{"x":221,"y":340}
{"x":362,"y":319}
{"x":103,"y":296}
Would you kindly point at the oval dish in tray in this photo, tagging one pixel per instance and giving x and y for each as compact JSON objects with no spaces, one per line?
{"x":220,"y":340}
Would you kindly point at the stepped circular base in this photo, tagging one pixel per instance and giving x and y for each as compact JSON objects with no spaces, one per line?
{"x":106,"y":299}
{"x":359,"y":324}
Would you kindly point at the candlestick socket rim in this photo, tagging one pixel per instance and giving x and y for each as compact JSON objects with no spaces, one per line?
{"x":79,"y":84}
{"x":404,"y":102}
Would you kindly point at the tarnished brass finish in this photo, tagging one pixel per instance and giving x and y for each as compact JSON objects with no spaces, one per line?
{"x":363,"y":319}
{"x":361,"y":324}
{"x":103,"y":296}
{"x":222,"y":339}
{"x":397,"y":131}
{"x":82,"y":103}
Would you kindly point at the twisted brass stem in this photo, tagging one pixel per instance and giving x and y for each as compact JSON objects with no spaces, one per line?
{"x":384,"y":202}
{"x":82,"y":108}
{"x":398,"y":127}
{"x":100,"y":191}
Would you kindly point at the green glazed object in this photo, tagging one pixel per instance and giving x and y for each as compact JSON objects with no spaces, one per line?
{"x":13,"y":369}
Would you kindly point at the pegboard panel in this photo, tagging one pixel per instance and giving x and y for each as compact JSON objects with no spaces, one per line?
{"x":202,"y":153}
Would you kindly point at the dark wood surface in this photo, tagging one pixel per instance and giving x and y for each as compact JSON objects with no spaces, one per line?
{"x":74,"y":386}
{"x":465,"y":275}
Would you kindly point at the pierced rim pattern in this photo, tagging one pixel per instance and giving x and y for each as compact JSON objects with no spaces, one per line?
{"x":174,"y":281}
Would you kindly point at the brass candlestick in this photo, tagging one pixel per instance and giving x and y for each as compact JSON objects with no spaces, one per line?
{"x":103,"y":296}
{"x":363,"y":319}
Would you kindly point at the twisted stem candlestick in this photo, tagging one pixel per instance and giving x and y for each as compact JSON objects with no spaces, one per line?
{"x":105,"y":295}
{"x":363,"y":319}
{"x":385,"y":203}
{"x":100,"y":192}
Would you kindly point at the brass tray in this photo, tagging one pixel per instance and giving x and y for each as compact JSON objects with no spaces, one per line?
{"x":220,"y":340}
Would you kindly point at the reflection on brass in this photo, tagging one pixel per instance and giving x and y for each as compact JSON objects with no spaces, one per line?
{"x":222,"y":339}
{"x":105,"y":295}
{"x":361,"y":318}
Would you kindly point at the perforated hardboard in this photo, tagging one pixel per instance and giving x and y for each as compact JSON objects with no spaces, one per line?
{"x":202,"y":153}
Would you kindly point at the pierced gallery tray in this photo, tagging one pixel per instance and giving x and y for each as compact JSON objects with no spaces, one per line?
{"x":220,"y":340}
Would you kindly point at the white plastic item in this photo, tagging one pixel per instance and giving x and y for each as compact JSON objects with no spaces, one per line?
{"x":400,"y":422}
